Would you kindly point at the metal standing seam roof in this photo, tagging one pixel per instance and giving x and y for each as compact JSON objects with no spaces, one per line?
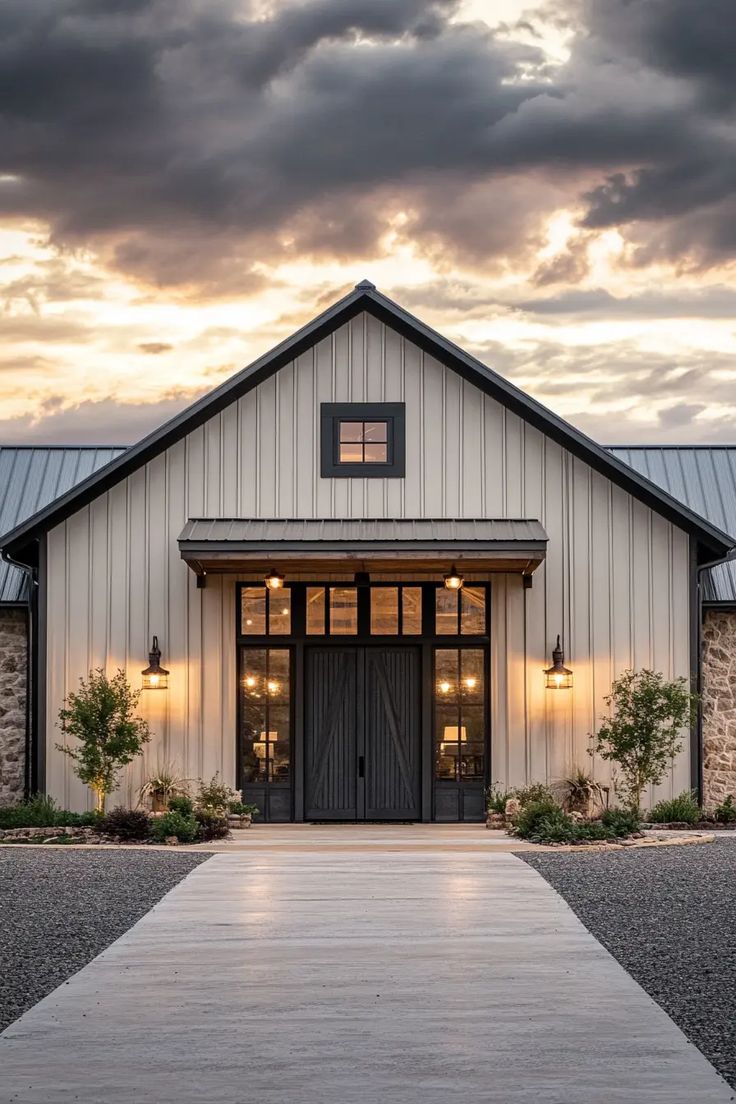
{"x":31,"y":478}
{"x":302,"y":532}
{"x":704,"y":478}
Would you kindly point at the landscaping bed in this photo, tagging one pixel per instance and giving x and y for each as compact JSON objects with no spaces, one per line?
{"x":669,"y":916}
{"x":60,"y":908}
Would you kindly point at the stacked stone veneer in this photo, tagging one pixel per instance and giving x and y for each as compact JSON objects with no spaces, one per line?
{"x":13,"y":674}
{"x":719,"y":706}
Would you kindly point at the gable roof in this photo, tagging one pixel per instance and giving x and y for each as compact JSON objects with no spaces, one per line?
{"x":704,"y":478}
{"x":712,"y":543}
{"x":31,"y":478}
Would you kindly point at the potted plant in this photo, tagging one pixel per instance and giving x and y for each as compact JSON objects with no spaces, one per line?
{"x":240,"y":814}
{"x":160,"y":786}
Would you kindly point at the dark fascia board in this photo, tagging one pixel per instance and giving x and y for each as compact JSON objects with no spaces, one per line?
{"x":201,"y":548}
{"x":366,"y":298}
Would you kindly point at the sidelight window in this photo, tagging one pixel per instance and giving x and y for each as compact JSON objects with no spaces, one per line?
{"x":266,"y":715}
{"x":460,"y":712}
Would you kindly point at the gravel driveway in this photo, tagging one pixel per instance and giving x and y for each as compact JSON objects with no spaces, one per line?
{"x":60,"y":908}
{"x":669,"y":917}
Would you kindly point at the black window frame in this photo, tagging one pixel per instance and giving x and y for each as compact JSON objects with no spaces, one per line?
{"x":393,"y":414}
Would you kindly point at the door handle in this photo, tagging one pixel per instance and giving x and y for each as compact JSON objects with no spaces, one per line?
{"x":361,"y":766}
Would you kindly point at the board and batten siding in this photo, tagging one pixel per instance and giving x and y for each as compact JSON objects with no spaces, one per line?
{"x":614,"y":584}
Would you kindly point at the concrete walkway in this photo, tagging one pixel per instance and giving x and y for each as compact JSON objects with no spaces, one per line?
{"x":355,"y":973}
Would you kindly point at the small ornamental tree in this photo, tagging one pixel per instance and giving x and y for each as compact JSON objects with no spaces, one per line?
{"x":101,"y":715}
{"x":643,"y":732}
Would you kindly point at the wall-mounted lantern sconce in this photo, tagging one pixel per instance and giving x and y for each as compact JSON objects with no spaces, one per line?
{"x":155,"y":677}
{"x":558,"y":676}
{"x":273,"y":580}
{"x":454,"y":580}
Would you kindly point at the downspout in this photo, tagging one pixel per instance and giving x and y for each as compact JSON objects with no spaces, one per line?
{"x":30,"y":644}
{"x":699,"y":570}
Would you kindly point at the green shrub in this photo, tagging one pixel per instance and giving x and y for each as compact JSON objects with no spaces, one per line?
{"x":622,"y":821}
{"x":725,"y":813}
{"x":537,"y":791}
{"x":185,"y":828}
{"x":534,"y":814}
{"x":496,"y":799}
{"x":215,"y":794}
{"x":41,"y":811}
{"x":681,"y":809}
{"x":241,"y":808}
{"x":212,"y":824}
{"x":547,"y":822}
{"x":181,"y":803}
{"x":127,"y":824}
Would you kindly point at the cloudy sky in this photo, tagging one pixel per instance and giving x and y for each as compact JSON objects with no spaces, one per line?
{"x":184,"y":182}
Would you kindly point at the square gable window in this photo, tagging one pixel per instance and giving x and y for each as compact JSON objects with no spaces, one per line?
{"x":363,"y":439}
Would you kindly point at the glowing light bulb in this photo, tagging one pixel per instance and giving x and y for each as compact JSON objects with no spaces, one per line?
{"x":445,"y":687}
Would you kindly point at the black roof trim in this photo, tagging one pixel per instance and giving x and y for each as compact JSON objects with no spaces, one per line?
{"x":367,"y":298}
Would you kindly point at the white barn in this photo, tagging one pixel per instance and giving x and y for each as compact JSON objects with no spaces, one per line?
{"x":363,"y":460}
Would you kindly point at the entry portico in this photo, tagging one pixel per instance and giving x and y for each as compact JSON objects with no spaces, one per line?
{"x":358,"y":464}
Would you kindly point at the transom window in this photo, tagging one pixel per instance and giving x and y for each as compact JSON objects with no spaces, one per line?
{"x":265,"y":612}
{"x":363,"y":439}
{"x":378,"y":609}
{"x":460,"y":611}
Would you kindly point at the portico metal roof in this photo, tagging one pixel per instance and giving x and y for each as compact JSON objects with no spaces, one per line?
{"x":209,"y":543}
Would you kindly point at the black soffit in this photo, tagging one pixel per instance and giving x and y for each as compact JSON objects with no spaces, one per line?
{"x":17,"y":543}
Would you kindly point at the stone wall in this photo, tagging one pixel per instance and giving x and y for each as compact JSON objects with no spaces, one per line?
{"x":719,"y":706}
{"x":13,"y":674}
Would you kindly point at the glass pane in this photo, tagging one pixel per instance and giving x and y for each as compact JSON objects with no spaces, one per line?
{"x":446,"y":674}
{"x":253,"y":719}
{"x":278,"y":674}
{"x":445,"y":612}
{"x":471,"y":675}
{"x":316,"y":611}
{"x":253,"y":611}
{"x":279,"y":612}
{"x":472,"y":746}
{"x":343,"y":610}
{"x":351,"y":454}
{"x":473,"y":610}
{"x":384,"y":611}
{"x":446,"y":741}
{"x":254,"y":673}
{"x":351,"y":431}
{"x":376,"y":454}
{"x":278,"y":743}
{"x":375,"y":431}
{"x":411,"y":610}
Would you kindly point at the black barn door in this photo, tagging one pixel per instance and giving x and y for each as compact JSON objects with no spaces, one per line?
{"x":362,"y":755}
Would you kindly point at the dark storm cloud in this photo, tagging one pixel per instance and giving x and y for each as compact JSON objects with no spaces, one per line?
{"x":106,"y":422}
{"x":713,"y":302}
{"x":154,"y":348}
{"x":187,"y":140}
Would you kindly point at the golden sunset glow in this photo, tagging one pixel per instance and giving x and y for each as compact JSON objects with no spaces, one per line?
{"x":514,"y":217}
